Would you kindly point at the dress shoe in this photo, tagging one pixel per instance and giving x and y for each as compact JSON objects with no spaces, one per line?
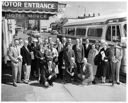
{"x":46,"y":84}
{"x":93,"y":82}
{"x":25,"y":82}
{"x":89,"y":83}
{"x":19,"y":82}
{"x":103,"y":82}
{"x":112,"y":83}
{"x":14,"y":84}
{"x":118,"y":83}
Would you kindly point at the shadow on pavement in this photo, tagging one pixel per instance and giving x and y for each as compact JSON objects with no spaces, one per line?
{"x":36,"y":84}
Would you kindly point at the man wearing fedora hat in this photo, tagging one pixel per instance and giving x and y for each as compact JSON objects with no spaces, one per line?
{"x":115,"y":63}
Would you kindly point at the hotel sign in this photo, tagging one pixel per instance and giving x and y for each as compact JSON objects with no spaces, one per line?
{"x":26,"y":16}
{"x":30,"y":6}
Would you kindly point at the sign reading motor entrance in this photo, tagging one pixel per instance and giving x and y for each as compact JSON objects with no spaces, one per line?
{"x":34,"y":6}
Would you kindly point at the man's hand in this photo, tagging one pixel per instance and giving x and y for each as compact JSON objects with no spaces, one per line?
{"x":72,"y":74}
{"x":25,"y":64}
{"x":42,"y":58}
{"x":106,"y":60}
{"x":16,"y":61}
{"x":83,"y":76}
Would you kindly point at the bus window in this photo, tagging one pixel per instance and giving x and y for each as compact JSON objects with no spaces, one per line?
{"x":96,"y":32}
{"x":71,"y":31}
{"x":118,"y":33}
{"x":113,"y":31}
{"x":65,"y":31}
{"x":80,"y":32}
{"x":125,"y":30}
{"x":108,"y":34}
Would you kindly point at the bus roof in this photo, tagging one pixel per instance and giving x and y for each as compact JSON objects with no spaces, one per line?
{"x":98,"y":19}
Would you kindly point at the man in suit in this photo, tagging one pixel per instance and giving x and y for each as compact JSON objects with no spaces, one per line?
{"x":115,"y":62}
{"x":79,"y":55}
{"x":87,"y":75}
{"x":26,"y":61}
{"x":16,"y":59}
{"x":60,"y":58}
{"x":87,"y":47}
{"x":68,"y":54}
{"x":21,"y":43}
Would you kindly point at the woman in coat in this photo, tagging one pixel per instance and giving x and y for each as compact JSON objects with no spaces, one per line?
{"x":104,"y":63}
{"x":92,"y":53}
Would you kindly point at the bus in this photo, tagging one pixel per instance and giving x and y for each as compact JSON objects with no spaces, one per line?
{"x":99,"y":28}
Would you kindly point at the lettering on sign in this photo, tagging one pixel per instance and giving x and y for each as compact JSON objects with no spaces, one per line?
{"x":41,"y":6}
{"x":26,"y":16}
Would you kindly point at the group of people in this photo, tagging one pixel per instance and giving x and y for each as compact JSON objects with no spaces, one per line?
{"x":47,"y":60}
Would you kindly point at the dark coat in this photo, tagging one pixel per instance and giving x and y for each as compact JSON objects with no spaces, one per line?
{"x":86,"y":50}
{"x":79,"y":53}
{"x":67,"y":55}
{"x":102,"y":65}
{"x":26,"y":56}
{"x":40,"y":55}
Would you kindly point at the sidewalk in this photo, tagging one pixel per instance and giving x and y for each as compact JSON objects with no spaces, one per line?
{"x":63,"y":92}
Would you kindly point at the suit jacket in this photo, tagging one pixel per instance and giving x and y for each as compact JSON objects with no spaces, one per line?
{"x":68,"y":54}
{"x":86,"y":50}
{"x":26,"y":56}
{"x":79,"y":53}
{"x":117,"y":52}
{"x":14,"y":54}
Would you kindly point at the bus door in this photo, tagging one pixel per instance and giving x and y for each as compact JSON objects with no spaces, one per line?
{"x":113,"y":33}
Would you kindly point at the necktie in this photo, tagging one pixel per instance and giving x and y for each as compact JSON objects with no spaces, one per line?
{"x":17,"y":50}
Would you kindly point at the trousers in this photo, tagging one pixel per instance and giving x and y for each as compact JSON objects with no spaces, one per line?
{"x":115,"y":70}
{"x":27,"y":71}
{"x":16,"y":71}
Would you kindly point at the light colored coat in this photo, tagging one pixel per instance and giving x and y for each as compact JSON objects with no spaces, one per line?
{"x":91,"y":55}
{"x":14,"y":54}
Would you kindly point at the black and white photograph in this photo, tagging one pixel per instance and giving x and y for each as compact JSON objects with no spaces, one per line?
{"x":72,"y":51}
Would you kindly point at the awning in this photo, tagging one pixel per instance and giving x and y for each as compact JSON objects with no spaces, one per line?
{"x":29,"y":9}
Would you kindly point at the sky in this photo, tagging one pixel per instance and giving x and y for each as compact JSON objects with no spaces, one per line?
{"x":75,"y":9}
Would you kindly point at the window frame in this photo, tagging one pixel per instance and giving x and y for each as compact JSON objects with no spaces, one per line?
{"x":115,"y":25}
{"x":95,"y":29}
{"x":71,"y":28}
{"x":84,"y":33}
{"x":125,"y":30}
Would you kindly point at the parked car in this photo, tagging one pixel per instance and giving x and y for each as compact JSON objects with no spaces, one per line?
{"x":54,"y":32}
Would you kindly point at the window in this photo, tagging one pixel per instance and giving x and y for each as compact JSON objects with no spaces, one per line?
{"x":108,"y":34}
{"x":96,"y":32}
{"x":125,"y":30}
{"x":118,"y":33}
{"x":81,"y":31}
{"x":71,"y":31}
{"x":114,"y":32}
{"x":65,"y":31}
